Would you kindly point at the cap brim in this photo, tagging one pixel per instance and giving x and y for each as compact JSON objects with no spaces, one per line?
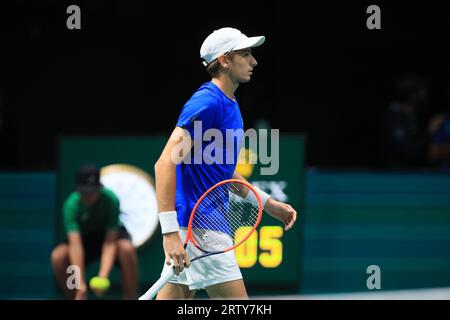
{"x":250,"y":43}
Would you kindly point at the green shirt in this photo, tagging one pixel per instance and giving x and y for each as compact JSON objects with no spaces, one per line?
{"x":101,"y":217}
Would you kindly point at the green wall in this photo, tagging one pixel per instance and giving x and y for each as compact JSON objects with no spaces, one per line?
{"x":27,"y":219}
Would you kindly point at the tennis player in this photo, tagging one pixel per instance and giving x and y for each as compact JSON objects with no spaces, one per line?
{"x":228,"y":58}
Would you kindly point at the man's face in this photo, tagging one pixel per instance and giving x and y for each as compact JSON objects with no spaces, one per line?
{"x":241,"y":64}
{"x":89,"y":198}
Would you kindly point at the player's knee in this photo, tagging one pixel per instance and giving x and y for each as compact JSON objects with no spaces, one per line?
{"x":59,"y":255}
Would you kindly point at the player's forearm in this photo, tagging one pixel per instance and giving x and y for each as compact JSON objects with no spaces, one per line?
{"x":165,"y":179}
{"x":238,"y":176}
{"x":109,"y":250}
{"x":243,"y":191}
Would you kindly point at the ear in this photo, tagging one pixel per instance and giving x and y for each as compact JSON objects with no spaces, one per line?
{"x":223,"y":60}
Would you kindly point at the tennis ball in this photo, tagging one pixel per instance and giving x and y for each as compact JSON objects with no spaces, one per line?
{"x":99,"y":284}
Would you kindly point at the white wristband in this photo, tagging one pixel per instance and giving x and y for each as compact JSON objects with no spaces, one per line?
{"x":263,"y":195}
{"x":168,"y":221}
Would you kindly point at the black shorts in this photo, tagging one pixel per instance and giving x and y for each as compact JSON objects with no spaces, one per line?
{"x":93,"y":243}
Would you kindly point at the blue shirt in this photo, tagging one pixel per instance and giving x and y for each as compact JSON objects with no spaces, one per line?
{"x":214,"y":159}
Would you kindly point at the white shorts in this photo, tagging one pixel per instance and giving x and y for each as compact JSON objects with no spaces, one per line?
{"x":207,"y":271}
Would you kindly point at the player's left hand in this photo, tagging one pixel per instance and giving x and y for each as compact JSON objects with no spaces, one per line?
{"x":281,"y":211}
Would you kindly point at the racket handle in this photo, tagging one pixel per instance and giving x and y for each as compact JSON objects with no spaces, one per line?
{"x":153,"y":291}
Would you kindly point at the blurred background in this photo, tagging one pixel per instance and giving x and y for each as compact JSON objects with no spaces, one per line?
{"x":365,"y":113}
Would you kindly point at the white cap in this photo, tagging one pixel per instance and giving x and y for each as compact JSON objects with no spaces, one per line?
{"x":225,"y":40}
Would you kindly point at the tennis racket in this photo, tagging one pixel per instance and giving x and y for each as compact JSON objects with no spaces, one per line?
{"x":223,"y":218}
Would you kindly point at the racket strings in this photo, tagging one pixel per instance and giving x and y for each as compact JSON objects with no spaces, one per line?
{"x":221,"y":213}
{"x":217,"y":216}
{"x":210,"y":202}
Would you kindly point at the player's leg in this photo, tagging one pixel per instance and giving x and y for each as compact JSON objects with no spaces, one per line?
{"x":129,"y":267}
{"x":222,"y":277}
{"x":60,"y":262}
{"x":228,"y":290}
{"x":172,"y":291}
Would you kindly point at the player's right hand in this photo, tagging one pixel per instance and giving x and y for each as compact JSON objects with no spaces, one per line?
{"x":174,"y":250}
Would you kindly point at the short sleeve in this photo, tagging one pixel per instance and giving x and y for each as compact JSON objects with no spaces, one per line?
{"x":200,"y":109}
{"x":70,"y":209}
